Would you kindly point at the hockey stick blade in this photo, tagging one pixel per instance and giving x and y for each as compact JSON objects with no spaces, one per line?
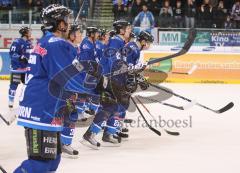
{"x":4,"y":120}
{"x":165,"y":104}
{"x":172,"y":133}
{"x":225,"y":108}
{"x":149,"y":126}
{"x":189,"y":105}
{"x":167,"y":131}
{"x":12,"y":115}
{"x":194,"y":67}
{"x":155,"y":130}
{"x":191,"y":37}
{"x":3,"y":170}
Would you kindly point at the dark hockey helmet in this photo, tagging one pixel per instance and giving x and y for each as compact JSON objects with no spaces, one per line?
{"x":112,"y":33}
{"x":43,"y":29}
{"x":53,"y":14}
{"x":103,"y":32}
{"x":24,"y":30}
{"x":144,"y":35}
{"x":74,"y":27}
{"x":91,"y":30}
{"x":133,"y":35}
{"x":120,"y":24}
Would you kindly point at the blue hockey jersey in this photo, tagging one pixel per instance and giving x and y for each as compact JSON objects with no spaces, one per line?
{"x":100,"y":47}
{"x":116,"y":42}
{"x":39,"y":107}
{"x":133,"y":53}
{"x":19,"y":47}
{"x":86,"y":82}
{"x":87,"y":50}
{"x":111,"y":53}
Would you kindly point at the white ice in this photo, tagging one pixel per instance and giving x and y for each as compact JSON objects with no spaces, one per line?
{"x":211,"y":145}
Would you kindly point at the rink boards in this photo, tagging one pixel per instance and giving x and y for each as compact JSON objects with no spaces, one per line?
{"x":212,"y":66}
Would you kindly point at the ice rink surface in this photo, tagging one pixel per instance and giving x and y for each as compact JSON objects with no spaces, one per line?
{"x":212,"y":144}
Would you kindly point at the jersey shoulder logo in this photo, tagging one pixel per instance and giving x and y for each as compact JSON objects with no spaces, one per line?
{"x":54,"y":39}
{"x":85,"y":46}
{"x":39,"y":50}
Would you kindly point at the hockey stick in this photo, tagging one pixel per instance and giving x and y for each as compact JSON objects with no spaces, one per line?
{"x":4,"y":120}
{"x":167,"y":131}
{"x":170,"y":105}
{"x":79,"y":12}
{"x":191,"y":37}
{"x":3,"y":170}
{"x":194,"y":67}
{"x":219,"y":111}
{"x":149,"y":126}
{"x":11,"y":114}
{"x":186,"y":47}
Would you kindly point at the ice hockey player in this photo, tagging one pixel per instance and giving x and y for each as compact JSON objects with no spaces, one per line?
{"x":132,"y":53}
{"x":123,"y":30}
{"x":44,"y":94}
{"x":102,"y":42}
{"x":109,"y":104}
{"x":88,"y":45}
{"x":88,"y":52}
{"x":75,"y":38}
{"x":75,"y":35}
{"x":19,"y":55}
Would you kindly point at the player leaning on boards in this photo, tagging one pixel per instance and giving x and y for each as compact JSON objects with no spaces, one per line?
{"x":44,"y":94}
{"x":19,"y":55}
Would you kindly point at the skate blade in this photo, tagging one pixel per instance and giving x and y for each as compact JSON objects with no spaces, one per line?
{"x":89,"y":145}
{"x":109,"y":144}
{"x":68,"y":156}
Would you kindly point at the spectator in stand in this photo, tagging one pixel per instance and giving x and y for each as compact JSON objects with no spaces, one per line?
{"x":146,"y":1}
{"x":136,"y":8}
{"x":206,"y":15}
{"x":166,"y":7}
{"x":144,"y":19}
{"x":228,"y":24}
{"x":229,"y":4}
{"x":219,"y":15}
{"x":214,"y":3}
{"x":178,"y":15}
{"x":166,"y":15}
{"x":197,"y":3}
{"x":38,"y":4}
{"x":236,"y":14}
{"x":154,"y":6}
{"x":119,"y":9}
{"x":190,"y":13}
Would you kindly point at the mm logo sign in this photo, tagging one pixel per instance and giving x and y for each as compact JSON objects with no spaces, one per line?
{"x":169,"y":38}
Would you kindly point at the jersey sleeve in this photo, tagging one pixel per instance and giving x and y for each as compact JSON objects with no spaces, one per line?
{"x":59,"y":55}
{"x":15,"y":51}
{"x":115,"y":43}
{"x":86,"y":52}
